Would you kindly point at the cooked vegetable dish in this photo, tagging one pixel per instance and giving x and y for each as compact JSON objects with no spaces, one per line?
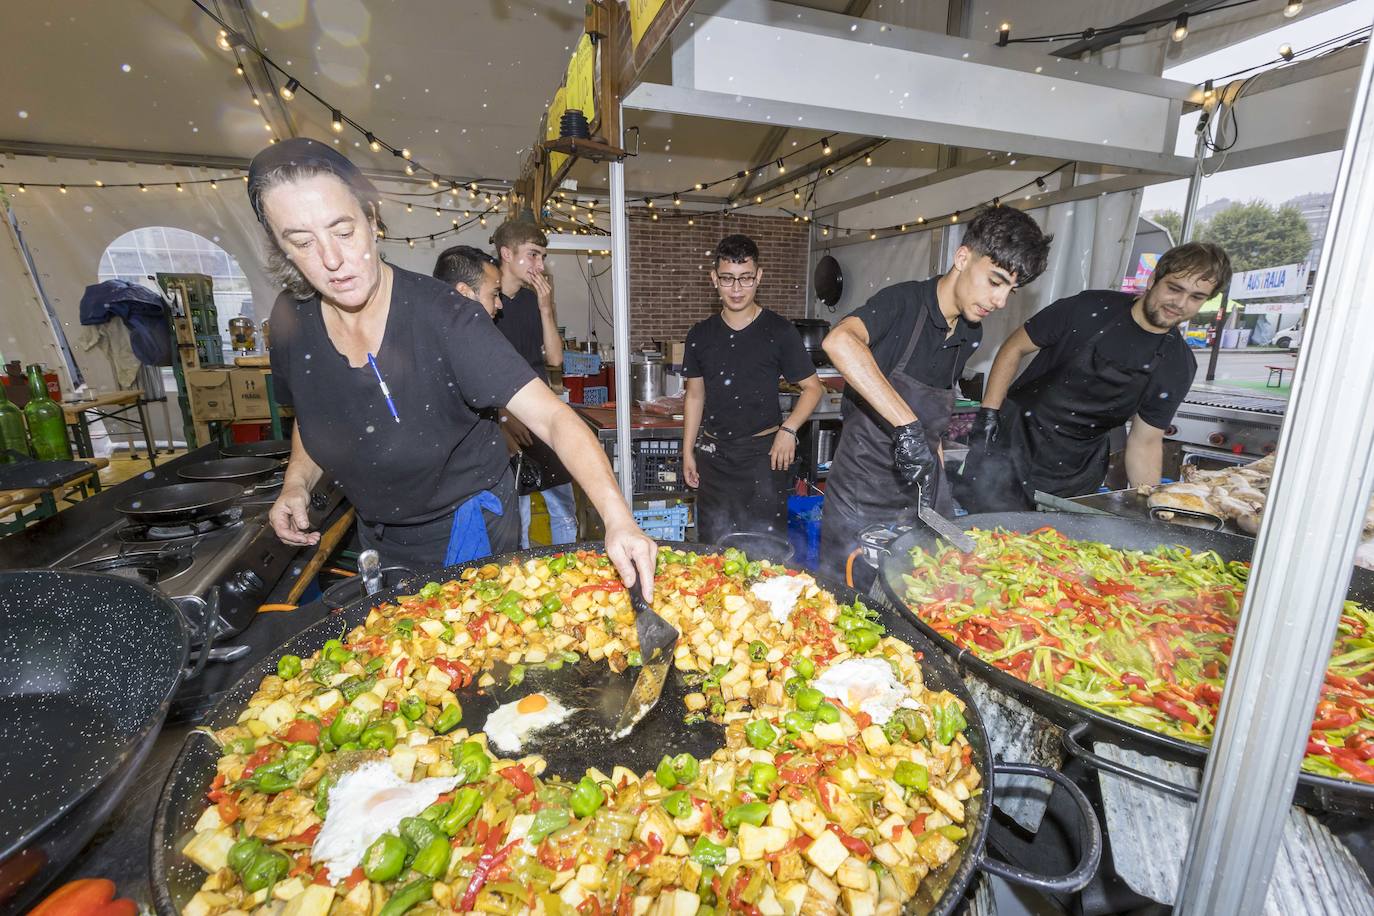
{"x":350,"y":786}
{"x":1144,"y":637}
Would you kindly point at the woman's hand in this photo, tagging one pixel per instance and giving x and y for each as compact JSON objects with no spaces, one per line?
{"x":634,"y":554}
{"x":290,"y":517}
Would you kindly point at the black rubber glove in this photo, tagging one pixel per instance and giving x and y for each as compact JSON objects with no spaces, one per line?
{"x":985,"y":429}
{"x":916,"y":463}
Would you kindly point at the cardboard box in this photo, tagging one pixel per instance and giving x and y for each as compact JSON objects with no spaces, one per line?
{"x":211,"y":395}
{"x":250,"y":394}
{"x":677,"y":352}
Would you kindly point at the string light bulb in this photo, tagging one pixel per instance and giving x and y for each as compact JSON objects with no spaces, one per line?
{"x":1040,"y":183}
{"x":920,"y":220}
{"x":1286,"y":52}
{"x":288,"y":91}
{"x":700,"y":186}
{"x":63,"y":188}
{"x":782,"y":167}
{"x":655,"y":217}
{"x":409,"y":208}
{"x":410,"y":242}
{"x":955,"y":217}
{"x":825,"y":146}
{"x":1180,"y":27}
{"x":223,"y":41}
{"x":1003,"y":34}
{"x":257,"y":101}
{"x":101,"y":184}
{"x":677,"y":201}
{"x":434,"y":183}
{"x":1292,"y":8}
{"x":336,"y":120}
{"x":796,"y":195}
{"x":410,"y":169}
{"x":179,"y":187}
{"x":405,"y":153}
{"x":238,"y":69}
{"x":141,"y":186}
{"x":372,"y":143}
{"x":482,"y":220}
{"x":872,"y":235}
{"x":825,"y":230}
{"x":1207,"y":91}
{"x":868,"y":160}
{"x":691,"y":221}
{"x":758,"y":198}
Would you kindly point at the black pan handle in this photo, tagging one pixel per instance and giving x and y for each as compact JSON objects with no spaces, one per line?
{"x":1088,"y":860}
{"x":209,"y":613}
{"x":1216,"y":521}
{"x":1072,"y":741}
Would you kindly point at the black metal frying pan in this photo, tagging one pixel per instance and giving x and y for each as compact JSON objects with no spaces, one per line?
{"x":245,"y":471}
{"x":180,"y":502}
{"x":267,"y":448}
{"x":175,"y":879}
{"x":88,"y":663}
{"x":1085,"y":725}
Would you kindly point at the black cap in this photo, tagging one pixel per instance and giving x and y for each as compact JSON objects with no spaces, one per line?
{"x":304,"y":151}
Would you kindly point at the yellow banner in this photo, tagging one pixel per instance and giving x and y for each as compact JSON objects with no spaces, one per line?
{"x":551,"y":128}
{"x":581,"y":81}
{"x":642,"y":13}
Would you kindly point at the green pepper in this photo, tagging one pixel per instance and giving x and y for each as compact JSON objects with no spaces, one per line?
{"x":551,"y":603}
{"x":554,"y":663}
{"x":322,"y":795}
{"x":949,"y":721}
{"x":447,"y":634}
{"x":677,"y":804}
{"x":432,"y":859}
{"x":912,"y":775}
{"x":804,"y":667}
{"x":266,"y":869}
{"x":404,"y":628}
{"x":336,"y":653}
{"x":749,"y":813}
{"x":634,"y":658}
{"x":242,"y":853}
{"x":708,"y":854}
{"x":687,"y":768}
{"x":516,"y":676}
{"x":603,"y":562}
{"x":758,"y":650}
{"x":348,"y":725}
{"x":808,"y":699}
{"x":713,"y":676}
{"x":378,"y":735}
{"x":718,"y":706}
{"x":412,"y":708}
{"x":448,"y":718}
{"x":431,"y":590}
{"x":355,"y":687}
{"x":418,"y":832}
{"x":548,"y":820}
{"x":271,"y":782}
{"x":472,"y":762}
{"x":861,"y":640}
{"x":324,"y":670}
{"x":760,"y":734}
{"x":793,"y":685}
{"x":241,"y":746}
{"x":558,"y":564}
{"x":894,"y":730}
{"x":761,"y":778}
{"x":587,"y":797}
{"x":288,"y":667}
{"x":911,"y":722}
{"x":465,"y":806}
{"x":952,"y":832}
{"x":664,"y":774}
{"x":413,"y":893}
{"x":385,"y":858}
{"x":435,"y":812}
{"x":731,"y":567}
{"x":542,"y":619}
{"x":827,"y":712}
{"x":799,"y":721}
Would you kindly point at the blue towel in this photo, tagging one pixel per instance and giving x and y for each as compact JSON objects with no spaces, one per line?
{"x":468,"y":538}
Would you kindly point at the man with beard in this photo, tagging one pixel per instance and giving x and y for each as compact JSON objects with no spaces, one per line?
{"x":1102,"y":358}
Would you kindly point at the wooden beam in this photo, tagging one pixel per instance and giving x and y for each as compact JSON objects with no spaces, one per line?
{"x":634,"y":59}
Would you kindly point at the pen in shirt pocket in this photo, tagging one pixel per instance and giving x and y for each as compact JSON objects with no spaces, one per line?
{"x":386,"y":392}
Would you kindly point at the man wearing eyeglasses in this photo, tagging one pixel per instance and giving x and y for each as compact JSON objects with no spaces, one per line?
{"x":741,"y":463}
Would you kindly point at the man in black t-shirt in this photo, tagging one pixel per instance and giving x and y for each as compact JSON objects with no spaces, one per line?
{"x":741,"y":464}
{"x":529,"y":320}
{"x":1102,"y":358}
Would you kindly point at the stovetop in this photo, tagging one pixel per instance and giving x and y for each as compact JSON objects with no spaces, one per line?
{"x":1206,"y":396}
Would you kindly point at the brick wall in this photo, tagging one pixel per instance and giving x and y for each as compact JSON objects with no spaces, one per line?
{"x":670,"y":269}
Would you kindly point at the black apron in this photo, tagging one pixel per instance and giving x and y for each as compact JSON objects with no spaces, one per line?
{"x":429,"y":545}
{"x":864,"y":487}
{"x":739,"y":490}
{"x":1057,"y":427}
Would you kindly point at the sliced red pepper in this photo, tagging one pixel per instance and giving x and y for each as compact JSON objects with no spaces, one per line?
{"x":1175,"y":710}
{"x":302,"y":730}
{"x":355,"y":877}
{"x":826,"y":792}
{"x":852,"y":843}
{"x":305,"y":836}
{"x":1352,"y":764}
{"x":262,"y":755}
{"x":709,"y":587}
{"x":228,"y":809}
{"x":489,"y":859}
{"x":400,"y":669}
{"x":1333,"y":722}
{"x":607,"y":585}
{"x":518,"y":777}
{"x":1133,"y":679}
{"x":460,"y":675}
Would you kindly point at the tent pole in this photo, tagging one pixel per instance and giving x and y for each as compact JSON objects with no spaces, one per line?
{"x":1303,"y":560}
{"x":1186,"y":233}
{"x":620,"y":320}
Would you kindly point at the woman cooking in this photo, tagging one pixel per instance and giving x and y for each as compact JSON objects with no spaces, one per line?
{"x":394,"y":376}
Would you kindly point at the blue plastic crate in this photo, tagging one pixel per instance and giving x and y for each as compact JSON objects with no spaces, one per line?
{"x":575,"y":363}
{"x":804,"y":529}
{"x":595,"y":395}
{"x":668,"y":523}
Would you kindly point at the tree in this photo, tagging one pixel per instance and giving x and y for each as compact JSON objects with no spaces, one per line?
{"x":1171,"y":220}
{"x":1257,"y":234}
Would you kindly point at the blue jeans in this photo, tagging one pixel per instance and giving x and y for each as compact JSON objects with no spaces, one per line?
{"x":562,"y":515}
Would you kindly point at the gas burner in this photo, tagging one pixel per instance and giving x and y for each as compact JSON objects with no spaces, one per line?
{"x":148,"y":567}
{"x":135,"y":533}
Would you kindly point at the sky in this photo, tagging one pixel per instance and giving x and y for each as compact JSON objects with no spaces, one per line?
{"x":1277,"y":181}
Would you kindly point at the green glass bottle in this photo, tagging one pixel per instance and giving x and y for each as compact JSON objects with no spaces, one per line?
{"x":13,"y":437}
{"x":47,"y":425}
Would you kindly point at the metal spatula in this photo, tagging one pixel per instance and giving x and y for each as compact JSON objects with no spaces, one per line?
{"x":944,"y":527}
{"x":657,"y":638}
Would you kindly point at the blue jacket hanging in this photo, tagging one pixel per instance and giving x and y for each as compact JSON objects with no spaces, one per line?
{"x":143,"y":313}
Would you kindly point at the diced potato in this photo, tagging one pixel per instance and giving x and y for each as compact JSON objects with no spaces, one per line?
{"x":589,"y":876}
{"x":403,"y":760}
{"x":315,"y":900}
{"x":695,"y":701}
{"x":435,"y":676}
{"x":807,"y":816}
{"x":573,"y":894}
{"x":781,"y":817}
{"x":368,"y":702}
{"x":277,"y":714}
{"x":830,"y":733}
{"x":735,"y":603}
{"x":679,"y":902}
{"x":680,"y":848}
{"x":948,"y":804}
{"x":821,"y":887}
{"x":888,"y":854}
{"x":535,"y":655}
{"x":751,"y":842}
{"x":860,"y":902}
{"x":210,"y":849}
{"x":432,"y":627}
{"x":827,"y":853}
{"x":876,"y":741}
{"x":285,"y":890}
{"x":209,"y":820}
{"x":852,"y":873}
{"x":623,"y":775}
{"x":936,"y":849}
{"x":768,"y":903}
{"x":656,"y":822}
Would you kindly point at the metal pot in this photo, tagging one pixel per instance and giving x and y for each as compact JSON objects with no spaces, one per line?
{"x":646,"y":376}
{"x":813,"y":331}
{"x":175,"y":879}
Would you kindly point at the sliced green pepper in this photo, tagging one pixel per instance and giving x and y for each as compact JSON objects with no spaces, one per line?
{"x":861,"y":640}
{"x":288,"y":667}
{"x":677,"y":804}
{"x":551,"y":603}
{"x":760,"y":734}
{"x":414,"y":893}
{"x":465,"y":806}
{"x":432,"y":859}
{"x":587,"y":797}
{"x":323,"y":671}
{"x":687,"y":768}
{"x":322,"y":795}
{"x":912,"y":775}
{"x":412,"y":708}
{"x":799,"y":721}
{"x":448,"y":718}
{"x":378,"y":735}
{"x":348,"y":725}
{"x":749,"y":813}
{"x":827,"y":712}
{"x":418,"y":832}
{"x":242,"y":853}
{"x":792,"y":685}
{"x":758,"y":650}
{"x":472,"y":762}
{"x":385,"y":858}
{"x":808,"y":699}
{"x":761,"y":778}
{"x":708,"y":854}
{"x":548,"y":820}
{"x":804,"y":667}
{"x":266,"y":869}
{"x":431,"y":590}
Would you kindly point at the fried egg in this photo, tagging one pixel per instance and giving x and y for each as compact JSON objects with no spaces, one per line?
{"x":866,"y":685}
{"x":780,"y":593}
{"x":364,"y":804}
{"x":509,"y":726}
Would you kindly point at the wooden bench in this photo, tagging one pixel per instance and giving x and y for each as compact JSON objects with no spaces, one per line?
{"x":1276,"y":371}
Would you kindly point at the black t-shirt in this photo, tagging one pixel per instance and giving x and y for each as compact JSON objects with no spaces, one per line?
{"x":519,"y":320}
{"x":1065,"y":326}
{"x":890,"y":319}
{"x":444,"y":363}
{"x":741,"y":368}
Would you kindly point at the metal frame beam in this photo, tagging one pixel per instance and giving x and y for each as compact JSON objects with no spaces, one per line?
{"x":1106,"y":39}
{"x":836,"y":155}
{"x":939,"y":176}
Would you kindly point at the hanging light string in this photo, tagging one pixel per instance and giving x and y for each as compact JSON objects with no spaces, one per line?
{"x":253,"y":95}
{"x":1180,"y":22}
{"x":457,"y":227}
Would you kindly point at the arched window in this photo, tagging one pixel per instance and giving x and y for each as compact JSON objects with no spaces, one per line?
{"x":140,"y":255}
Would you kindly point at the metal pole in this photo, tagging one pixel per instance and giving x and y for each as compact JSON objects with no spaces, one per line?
{"x":620,"y":319}
{"x":1186,"y":232}
{"x":1302,"y":566}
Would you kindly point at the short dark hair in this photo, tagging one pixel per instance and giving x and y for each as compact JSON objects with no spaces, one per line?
{"x":463,"y":264}
{"x":516,"y":232}
{"x":736,"y":249}
{"x":1204,"y":260}
{"x":1011,"y":239}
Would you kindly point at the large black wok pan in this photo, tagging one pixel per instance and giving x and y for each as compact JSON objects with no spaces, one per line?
{"x":180,"y":502}
{"x":88,"y":663}
{"x":1083,"y":724}
{"x":267,"y":448}
{"x":175,"y":879}
{"x":241,"y":470}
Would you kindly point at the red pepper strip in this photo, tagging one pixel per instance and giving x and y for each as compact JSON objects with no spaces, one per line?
{"x":605,"y":586}
{"x":389,"y":706}
{"x":1209,"y":693}
{"x":302,"y":730}
{"x":736,"y":891}
{"x":591,"y":906}
{"x":400,"y":669}
{"x":1135,"y":679}
{"x":460,"y":675}
{"x":490,"y":858}
{"x":988,"y":641}
{"x":217,"y":789}
{"x":355,"y":877}
{"x":305,"y":836}
{"x":1333,"y":722}
{"x":862,"y":719}
{"x":1318,"y":749}
{"x":799,"y":774}
{"x":258,"y":759}
{"x":321,"y":877}
{"x":523,"y":782}
{"x":709,"y":587}
{"x":302,"y":866}
{"x":228,"y":809}
{"x":624,"y":904}
{"x":1175,"y":710}
{"x":478,"y":627}
{"x":1351,"y":763}
{"x":852,"y":843}
{"x":826,"y":791}
{"x":797,"y":845}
